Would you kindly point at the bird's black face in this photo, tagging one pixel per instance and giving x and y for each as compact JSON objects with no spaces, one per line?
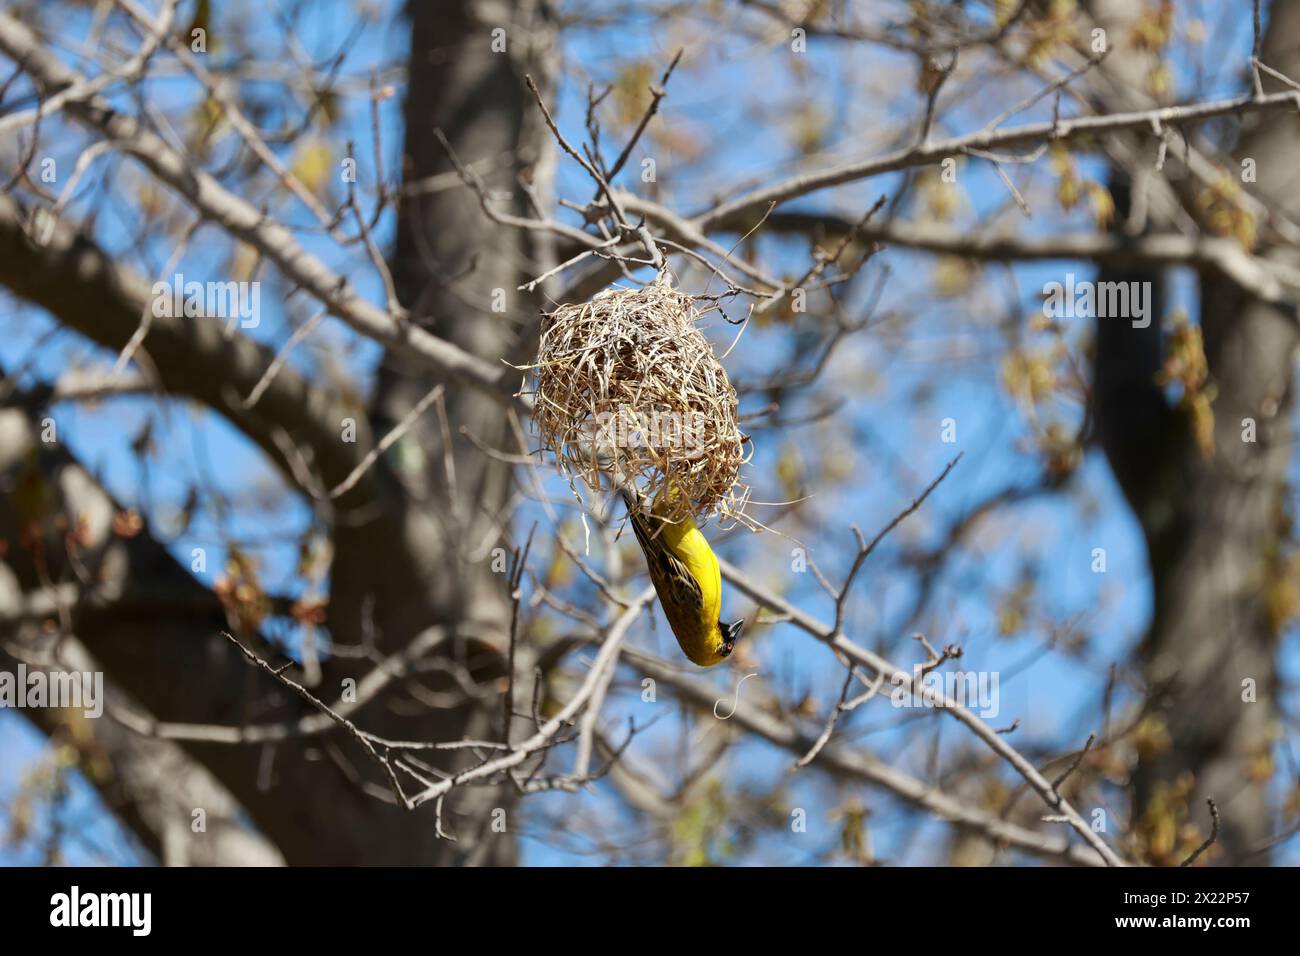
{"x":730,"y":634}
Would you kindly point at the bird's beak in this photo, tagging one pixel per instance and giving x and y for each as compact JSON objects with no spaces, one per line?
{"x":731,"y":634}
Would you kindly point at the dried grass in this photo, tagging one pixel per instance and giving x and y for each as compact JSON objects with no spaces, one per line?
{"x":628,"y":387}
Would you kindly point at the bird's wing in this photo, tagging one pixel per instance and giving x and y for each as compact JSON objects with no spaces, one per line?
{"x":670,"y":569}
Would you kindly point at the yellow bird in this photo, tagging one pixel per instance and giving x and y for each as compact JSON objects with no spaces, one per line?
{"x":685,"y":574}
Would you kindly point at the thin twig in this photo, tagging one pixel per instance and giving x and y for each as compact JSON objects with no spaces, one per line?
{"x":400,"y":429}
{"x":314,"y":701}
{"x":1214,"y":834}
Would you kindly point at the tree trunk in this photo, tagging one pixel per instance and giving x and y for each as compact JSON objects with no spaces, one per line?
{"x":408,"y":544}
{"x":1214,"y":527}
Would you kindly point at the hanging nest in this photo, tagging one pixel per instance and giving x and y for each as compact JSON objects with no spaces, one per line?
{"x":628,"y":387}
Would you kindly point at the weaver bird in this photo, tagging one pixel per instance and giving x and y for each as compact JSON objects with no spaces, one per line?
{"x":685,"y":574}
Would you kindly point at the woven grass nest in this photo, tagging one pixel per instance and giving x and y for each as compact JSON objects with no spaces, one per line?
{"x":628,"y":387}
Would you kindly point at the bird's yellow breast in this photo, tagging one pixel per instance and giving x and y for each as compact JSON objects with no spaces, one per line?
{"x":696,"y":629}
{"x":676,"y":551}
{"x":688,"y":543}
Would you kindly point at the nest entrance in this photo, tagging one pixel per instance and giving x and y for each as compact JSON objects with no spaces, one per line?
{"x":627,"y":386}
